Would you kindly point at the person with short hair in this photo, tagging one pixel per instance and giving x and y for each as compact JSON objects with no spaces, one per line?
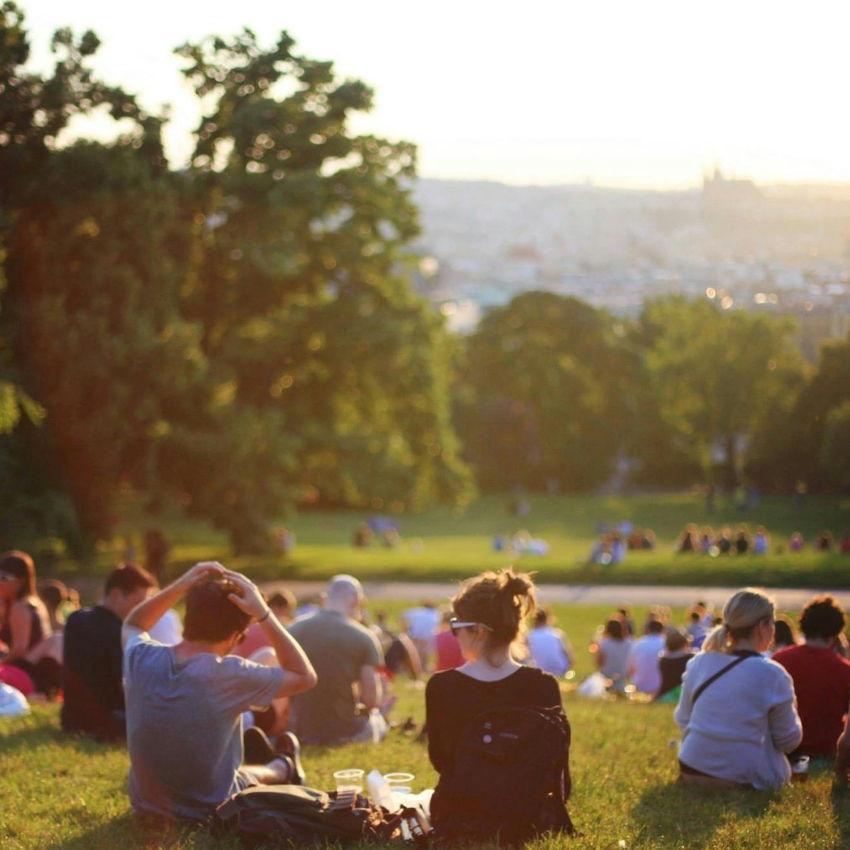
{"x":821,"y":676}
{"x":644,"y":669}
{"x":346,"y":656}
{"x":185,"y":702}
{"x":92,"y":683}
{"x":672,"y":663}
{"x":737,"y":711}
{"x":548,"y":646}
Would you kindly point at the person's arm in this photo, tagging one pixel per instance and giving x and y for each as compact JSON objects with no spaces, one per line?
{"x":370,"y":687}
{"x":146,"y":614}
{"x":300,"y":675}
{"x":786,"y":730}
{"x":600,"y":658}
{"x":20,"y":624}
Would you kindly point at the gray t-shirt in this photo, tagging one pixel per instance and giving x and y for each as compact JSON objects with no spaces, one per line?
{"x":338,"y":648}
{"x":184,"y":726}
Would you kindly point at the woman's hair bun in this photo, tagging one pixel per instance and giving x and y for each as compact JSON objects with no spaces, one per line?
{"x":516,"y":584}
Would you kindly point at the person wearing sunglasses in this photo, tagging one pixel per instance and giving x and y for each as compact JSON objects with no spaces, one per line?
{"x":489,"y":615}
{"x":26,"y":627}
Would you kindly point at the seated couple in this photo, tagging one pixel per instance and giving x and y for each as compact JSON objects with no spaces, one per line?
{"x":184,"y":703}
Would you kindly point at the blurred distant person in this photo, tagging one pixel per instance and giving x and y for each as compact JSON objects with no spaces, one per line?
{"x":548,"y":646}
{"x":824,"y":542}
{"x":612,"y":654}
{"x":447,"y":646}
{"x":421,"y":624}
{"x":644,"y":669}
{"x":672,"y":663}
{"x":784,"y":634}
{"x":283,"y":605}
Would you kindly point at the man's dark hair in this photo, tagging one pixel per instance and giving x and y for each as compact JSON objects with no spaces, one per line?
{"x":210,"y":615}
{"x":822,"y":617}
{"x":655,"y":627}
{"x":127,"y":578}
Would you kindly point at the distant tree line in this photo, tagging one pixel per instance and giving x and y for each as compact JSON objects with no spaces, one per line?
{"x":242,"y":334}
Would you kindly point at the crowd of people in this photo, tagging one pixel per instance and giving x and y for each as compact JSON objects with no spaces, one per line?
{"x":741,"y":541}
{"x":226,"y":703}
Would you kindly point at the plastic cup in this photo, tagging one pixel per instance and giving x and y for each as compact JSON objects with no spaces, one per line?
{"x":349,"y":781}
{"x":800,"y":769}
{"x":401,"y":784}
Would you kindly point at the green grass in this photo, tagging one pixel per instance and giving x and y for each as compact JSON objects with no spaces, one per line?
{"x":439,"y":545}
{"x":69,"y":793}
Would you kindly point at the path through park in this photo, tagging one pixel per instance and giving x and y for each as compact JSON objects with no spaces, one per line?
{"x":576,"y":594}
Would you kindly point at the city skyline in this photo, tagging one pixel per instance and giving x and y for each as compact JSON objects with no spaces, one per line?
{"x":635,"y":96}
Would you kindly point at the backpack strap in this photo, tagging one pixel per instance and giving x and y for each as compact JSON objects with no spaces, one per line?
{"x":715,"y":677}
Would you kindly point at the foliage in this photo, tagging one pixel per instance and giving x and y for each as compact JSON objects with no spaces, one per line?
{"x":547,"y":394}
{"x":716,"y":376}
{"x":241,"y":334}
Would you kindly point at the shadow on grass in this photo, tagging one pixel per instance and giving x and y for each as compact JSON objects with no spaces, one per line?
{"x":46,"y":734}
{"x":689,"y":816}
{"x":130,"y":831}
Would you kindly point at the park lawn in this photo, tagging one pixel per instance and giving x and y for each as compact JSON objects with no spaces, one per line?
{"x":69,"y":793}
{"x":441,"y":545}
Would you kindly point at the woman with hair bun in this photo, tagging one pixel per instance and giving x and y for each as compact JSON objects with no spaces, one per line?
{"x":489,"y":615}
{"x":737,"y":711}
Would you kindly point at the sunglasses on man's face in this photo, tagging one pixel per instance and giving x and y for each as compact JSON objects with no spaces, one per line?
{"x":456,"y":625}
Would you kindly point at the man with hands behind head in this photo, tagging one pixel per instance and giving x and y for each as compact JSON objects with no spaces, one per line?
{"x":185,"y":702}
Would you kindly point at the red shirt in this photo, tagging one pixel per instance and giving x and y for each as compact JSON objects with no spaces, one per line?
{"x":449,"y":655}
{"x":822,"y":685}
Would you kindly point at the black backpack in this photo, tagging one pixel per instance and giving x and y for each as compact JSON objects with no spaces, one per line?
{"x":292,"y":813}
{"x":511,"y":778}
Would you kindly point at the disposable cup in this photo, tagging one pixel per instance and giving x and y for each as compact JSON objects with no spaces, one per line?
{"x":401,"y":784}
{"x":800,"y":769}
{"x":349,"y":780}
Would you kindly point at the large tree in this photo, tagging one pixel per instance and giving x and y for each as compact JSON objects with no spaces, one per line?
{"x":241,"y":333}
{"x":546,"y":396}
{"x":717,"y":376}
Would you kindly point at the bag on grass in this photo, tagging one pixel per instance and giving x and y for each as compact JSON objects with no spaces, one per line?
{"x":309,"y":816}
{"x":511,"y":778}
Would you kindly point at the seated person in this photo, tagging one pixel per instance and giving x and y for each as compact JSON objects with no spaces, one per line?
{"x":738,"y":726}
{"x":821,"y":676}
{"x":550,"y":650}
{"x":185,"y":702}
{"x":56,"y":598}
{"x":91,"y":673}
{"x":612,"y":654}
{"x":283,"y":604}
{"x":672,"y":664}
{"x":489,"y":611}
{"x":26,"y":626}
{"x":346,"y":656}
{"x":644,"y":668}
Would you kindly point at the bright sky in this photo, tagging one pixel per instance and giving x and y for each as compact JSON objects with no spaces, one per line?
{"x":625,"y":93}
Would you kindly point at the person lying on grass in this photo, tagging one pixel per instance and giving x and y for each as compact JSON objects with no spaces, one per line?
{"x":185,"y":702}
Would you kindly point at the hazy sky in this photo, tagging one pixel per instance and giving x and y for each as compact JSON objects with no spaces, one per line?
{"x":640,"y":94}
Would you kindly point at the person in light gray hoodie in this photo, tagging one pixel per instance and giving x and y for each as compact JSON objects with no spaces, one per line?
{"x":737,"y":712}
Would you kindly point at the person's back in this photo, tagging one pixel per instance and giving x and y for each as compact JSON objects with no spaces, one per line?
{"x":343,"y":653}
{"x":546,"y":645}
{"x":91,"y":673}
{"x":184,"y":724}
{"x":92,"y":684}
{"x":821,"y":676}
{"x":644,"y":668}
{"x":489,"y":611}
{"x":185,"y":702}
